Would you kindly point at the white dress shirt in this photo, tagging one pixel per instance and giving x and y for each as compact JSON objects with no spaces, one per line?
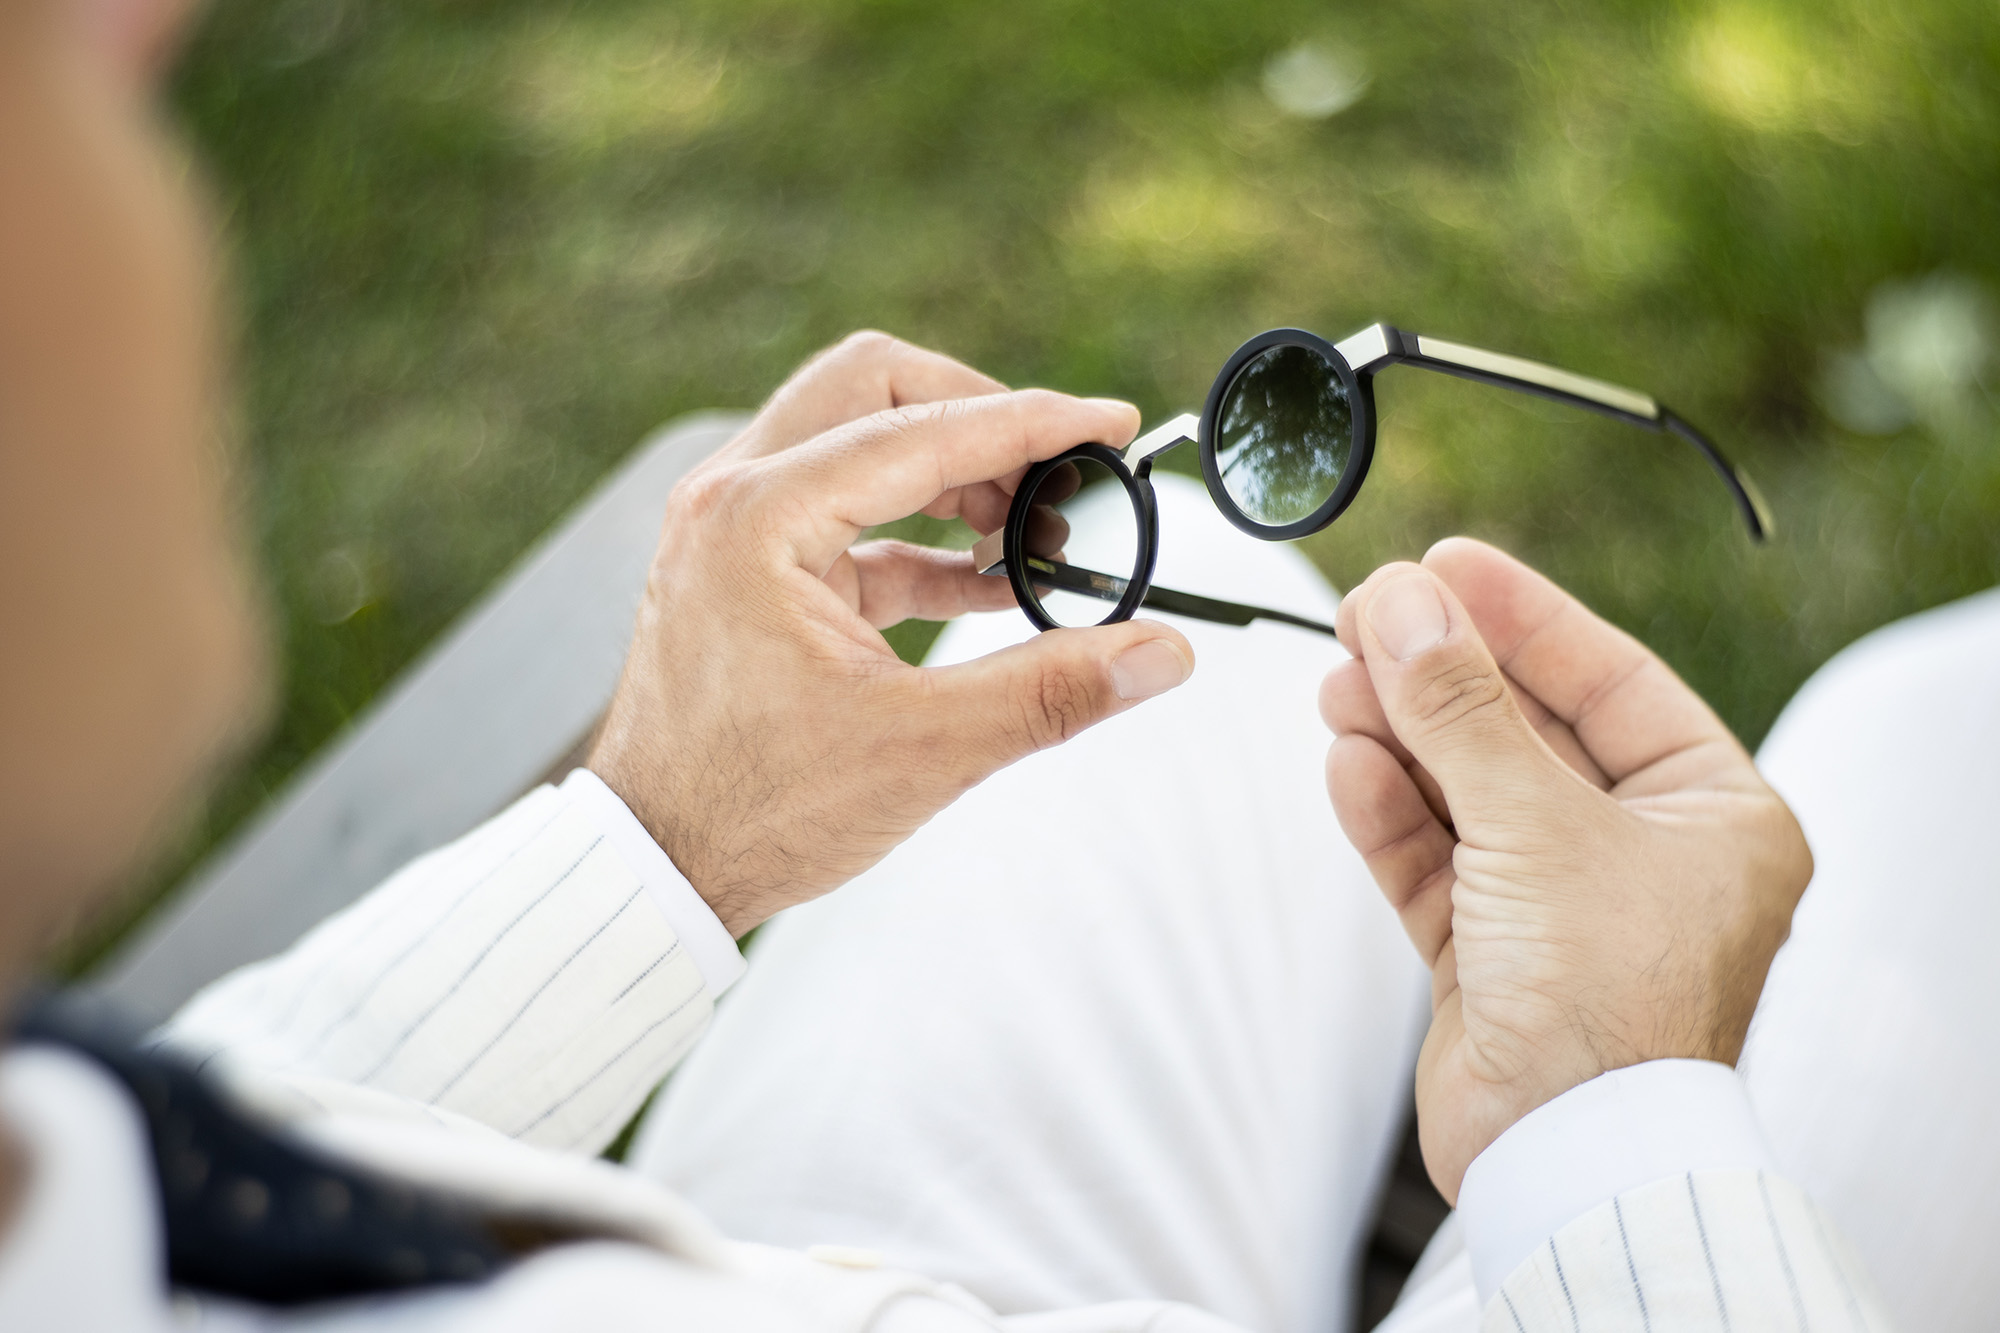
{"x":539,"y":976}
{"x":492,"y":1015}
{"x":532,"y":979}
{"x":484,"y":1022}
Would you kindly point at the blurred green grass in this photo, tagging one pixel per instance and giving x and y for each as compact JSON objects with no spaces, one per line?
{"x":481,"y":247}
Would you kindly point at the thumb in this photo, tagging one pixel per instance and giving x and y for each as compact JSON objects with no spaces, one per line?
{"x":1443,"y":694}
{"x":1006,"y":705}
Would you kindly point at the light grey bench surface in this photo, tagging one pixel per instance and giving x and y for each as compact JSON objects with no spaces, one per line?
{"x":492,"y":706}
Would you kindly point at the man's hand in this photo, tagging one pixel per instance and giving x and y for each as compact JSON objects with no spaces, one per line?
{"x":764,"y":732}
{"x":1581,"y":851}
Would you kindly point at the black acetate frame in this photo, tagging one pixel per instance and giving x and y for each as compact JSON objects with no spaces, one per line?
{"x":1357,"y":360}
{"x":1132,"y":591}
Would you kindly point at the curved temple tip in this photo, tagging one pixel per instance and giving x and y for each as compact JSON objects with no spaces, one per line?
{"x":1756,"y":513}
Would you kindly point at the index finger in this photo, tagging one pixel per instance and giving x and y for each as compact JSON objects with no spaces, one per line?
{"x":892,"y":464}
{"x":1624,"y":704}
{"x":861,"y":374}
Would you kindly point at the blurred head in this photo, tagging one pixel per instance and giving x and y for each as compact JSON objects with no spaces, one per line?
{"x":129,"y":656}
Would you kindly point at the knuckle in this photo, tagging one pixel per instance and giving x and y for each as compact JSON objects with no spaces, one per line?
{"x":1059,"y":706}
{"x":905,"y":422}
{"x":1030,"y":404}
{"x":1463,"y":692}
{"x":868,"y":345}
{"x":906,"y":418}
{"x":707,"y":495}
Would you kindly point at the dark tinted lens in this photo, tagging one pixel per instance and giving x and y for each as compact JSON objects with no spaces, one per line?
{"x":1083,"y":542}
{"x":1285,"y":434}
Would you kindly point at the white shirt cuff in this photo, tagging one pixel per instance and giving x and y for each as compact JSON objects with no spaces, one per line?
{"x":1600,"y":1139}
{"x":693,"y":921}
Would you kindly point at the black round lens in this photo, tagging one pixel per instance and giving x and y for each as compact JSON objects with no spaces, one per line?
{"x":1082,"y":542}
{"x":1284,"y":434}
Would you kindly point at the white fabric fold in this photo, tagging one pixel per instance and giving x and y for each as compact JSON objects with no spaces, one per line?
{"x":700,"y":931}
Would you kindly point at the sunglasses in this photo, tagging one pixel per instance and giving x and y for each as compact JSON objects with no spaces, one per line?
{"x":1285,"y":438}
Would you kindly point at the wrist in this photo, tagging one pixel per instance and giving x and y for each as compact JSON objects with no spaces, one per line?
{"x":718,"y":857}
{"x":634,"y":781}
{"x":1466,"y":1101}
{"x":1506,"y":1077}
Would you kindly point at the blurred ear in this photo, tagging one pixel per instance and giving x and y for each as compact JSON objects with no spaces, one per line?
{"x":139,"y":39}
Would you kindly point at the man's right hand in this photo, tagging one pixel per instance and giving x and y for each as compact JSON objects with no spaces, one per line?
{"x":764,"y":732}
{"x":1579,"y":848}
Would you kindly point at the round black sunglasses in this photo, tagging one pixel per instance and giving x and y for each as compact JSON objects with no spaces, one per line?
{"x":1286,"y":438}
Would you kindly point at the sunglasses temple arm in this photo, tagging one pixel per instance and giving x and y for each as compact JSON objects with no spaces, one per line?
{"x":1380,"y":346}
{"x":1090,"y":583}
{"x":1224,"y":613}
{"x":987,"y":559}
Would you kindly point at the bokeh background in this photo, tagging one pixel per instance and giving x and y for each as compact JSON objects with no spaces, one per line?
{"x":483,"y":246}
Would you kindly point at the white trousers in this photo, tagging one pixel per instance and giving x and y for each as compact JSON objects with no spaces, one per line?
{"x":1874,"y":1061}
{"x":1131,"y":1019}
{"x":1128,"y":1020}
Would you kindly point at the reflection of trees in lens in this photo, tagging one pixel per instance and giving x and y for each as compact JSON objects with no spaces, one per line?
{"x":1285,"y":435}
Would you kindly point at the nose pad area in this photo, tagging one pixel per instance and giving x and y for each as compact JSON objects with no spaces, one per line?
{"x":1171,"y":435}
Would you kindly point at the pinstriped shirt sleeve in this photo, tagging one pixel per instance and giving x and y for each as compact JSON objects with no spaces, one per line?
{"x":540,"y":975}
{"x":1706,"y":1250}
{"x":1614,"y":1133}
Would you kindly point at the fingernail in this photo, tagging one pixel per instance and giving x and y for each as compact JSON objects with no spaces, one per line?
{"x":1407,"y":615}
{"x":1147,"y":669}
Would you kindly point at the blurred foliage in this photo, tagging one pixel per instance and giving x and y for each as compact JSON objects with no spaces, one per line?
{"x":483,"y":246}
